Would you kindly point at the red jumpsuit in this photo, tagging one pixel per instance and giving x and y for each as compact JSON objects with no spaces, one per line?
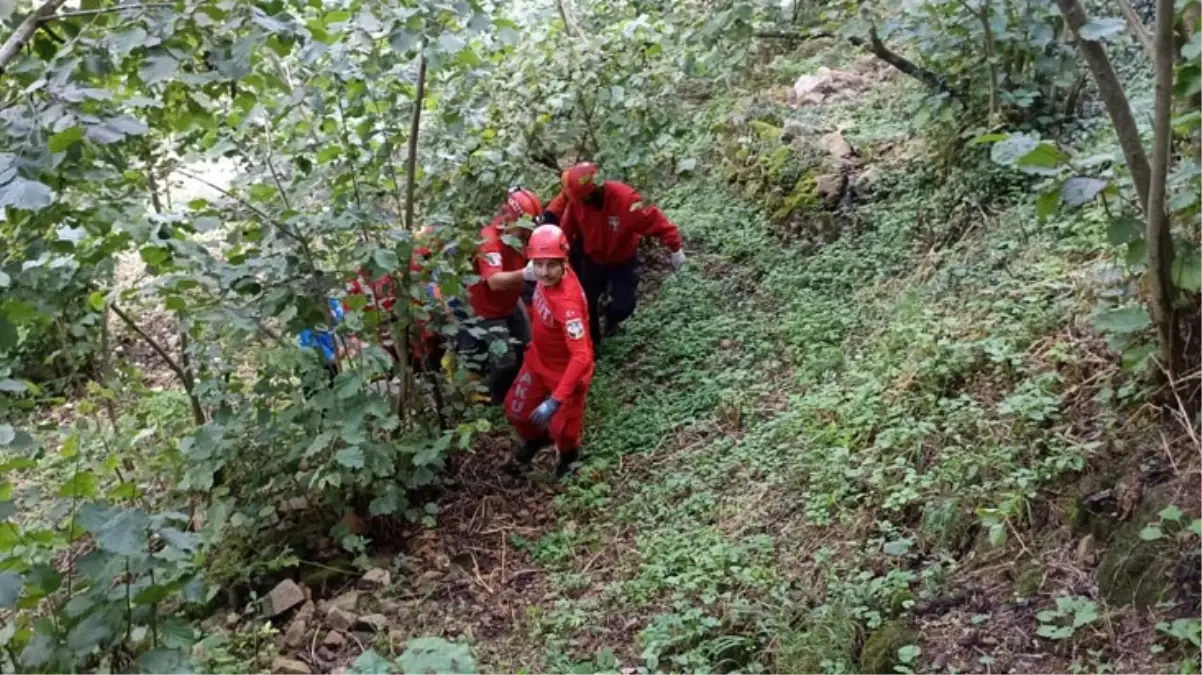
{"x":558,"y":363}
{"x":611,"y":234}
{"x":494,"y":255}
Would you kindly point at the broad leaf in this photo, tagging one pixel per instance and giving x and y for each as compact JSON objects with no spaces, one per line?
{"x":351,"y":458}
{"x":1187,"y":271}
{"x":158,"y":69}
{"x":10,"y":589}
{"x":1008,"y":151}
{"x":1100,"y":29}
{"x":1124,"y":320}
{"x":166,"y":661}
{"x":22,"y":193}
{"x":1079,"y":190}
{"x":88,"y":633}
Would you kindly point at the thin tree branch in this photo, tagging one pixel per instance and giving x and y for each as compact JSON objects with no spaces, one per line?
{"x":1137,"y":27}
{"x":197,"y":413}
{"x":882,"y":52}
{"x":1113,"y":97}
{"x":12,"y":46}
{"x":106,"y":10}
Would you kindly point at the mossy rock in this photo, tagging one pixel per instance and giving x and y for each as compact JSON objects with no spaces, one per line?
{"x":879,"y":654}
{"x":1133,"y":571}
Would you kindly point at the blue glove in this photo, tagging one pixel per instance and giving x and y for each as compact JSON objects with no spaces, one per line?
{"x":542,"y":414}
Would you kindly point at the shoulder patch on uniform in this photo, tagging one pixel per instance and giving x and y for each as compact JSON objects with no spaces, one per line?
{"x":493,"y":259}
{"x":575,"y":328}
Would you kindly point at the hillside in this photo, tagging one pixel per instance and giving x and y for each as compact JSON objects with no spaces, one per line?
{"x":902,"y":411}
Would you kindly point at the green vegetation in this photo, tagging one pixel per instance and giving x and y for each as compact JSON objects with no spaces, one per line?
{"x":924,"y":399}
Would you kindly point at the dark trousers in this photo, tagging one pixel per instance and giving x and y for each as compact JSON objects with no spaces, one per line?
{"x":495,"y":347}
{"x":622,"y":283}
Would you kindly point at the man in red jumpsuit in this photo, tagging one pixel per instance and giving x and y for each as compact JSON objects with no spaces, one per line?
{"x":546,"y":402}
{"x":496,"y":299}
{"x":606,"y":220}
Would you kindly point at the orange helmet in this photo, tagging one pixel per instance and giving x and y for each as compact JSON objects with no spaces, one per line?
{"x":521,"y":201}
{"x":547,"y":242}
{"x":580,"y":180}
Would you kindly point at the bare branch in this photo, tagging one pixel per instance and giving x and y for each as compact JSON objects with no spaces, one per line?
{"x":882,"y":52}
{"x":185,"y":379}
{"x":12,"y":46}
{"x":1137,"y":27}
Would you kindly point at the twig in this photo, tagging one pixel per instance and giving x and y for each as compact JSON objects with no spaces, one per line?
{"x":197,"y":412}
{"x":12,"y":46}
{"x":105,"y":10}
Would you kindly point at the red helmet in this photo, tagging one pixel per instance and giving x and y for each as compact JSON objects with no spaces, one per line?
{"x":521,"y":201}
{"x":580,"y":180}
{"x":547,"y":242}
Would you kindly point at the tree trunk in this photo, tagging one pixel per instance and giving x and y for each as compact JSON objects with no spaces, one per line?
{"x":1160,"y":243}
{"x":1113,"y":97}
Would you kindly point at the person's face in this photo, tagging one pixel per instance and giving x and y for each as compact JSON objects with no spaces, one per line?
{"x":548,"y":272}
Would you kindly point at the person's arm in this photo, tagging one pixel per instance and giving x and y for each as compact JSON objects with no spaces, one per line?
{"x":653,"y":223}
{"x":580,"y":347}
{"x":553,"y":214}
{"x":490,"y":266}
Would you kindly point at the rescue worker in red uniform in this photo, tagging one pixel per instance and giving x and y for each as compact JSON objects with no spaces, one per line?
{"x":546,"y":402}
{"x":606,"y":220}
{"x":496,"y":300}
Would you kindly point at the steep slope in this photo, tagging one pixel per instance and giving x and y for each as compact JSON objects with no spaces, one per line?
{"x":904,"y":449}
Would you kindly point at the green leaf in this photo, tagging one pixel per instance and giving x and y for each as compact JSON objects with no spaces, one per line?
{"x":383,"y":505}
{"x":1046,"y":205}
{"x":371,"y":663}
{"x":402,"y":41}
{"x":1191,"y":50}
{"x":1079,"y":190}
{"x":897,"y":547}
{"x":88,"y":633}
{"x":1007,"y":152}
{"x":63,"y":140}
{"x":1195,"y":526}
{"x":154,"y":255}
{"x":81,"y":486}
{"x":158,"y":69}
{"x":686,"y":165}
{"x":1124,"y":229}
{"x":1123,"y":320}
{"x":8,"y":336}
{"x":11,"y":386}
{"x":123,"y":531}
{"x":1137,"y":253}
{"x":96,"y":301}
{"x":5,"y":280}
{"x":351,"y":458}
{"x":1171,"y":512}
{"x":165,"y":661}
{"x":450,"y":43}
{"x":1187,"y":271}
{"x":1100,"y":29}
{"x":1043,"y":160}
{"x":7,"y":434}
{"x":1137,"y":357}
{"x":988,"y":138}
{"x":1151,"y":533}
{"x":1183,"y":200}
{"x":909,"y":653}
{"x":436,"y":655}
{"x":10,"y":589}
{"x":152,"y":595}
{"x":39,"y":650}
{"x":29,"y":195}
{"x":328,"y":154}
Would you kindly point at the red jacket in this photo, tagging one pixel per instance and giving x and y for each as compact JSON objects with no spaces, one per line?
{"x":611,"y":234}
{"x":494,"y":255}
{"x":560,"y":347}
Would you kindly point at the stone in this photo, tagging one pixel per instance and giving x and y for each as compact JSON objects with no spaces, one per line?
{"x":306,"y":612}
{"x":376,"y":578}
{"x":340,"y":619}
{"x":290,"y":667}
{"x":347,"y":602}
{"x":286,"y":595}
{"x":830,"y":187}
{"x":334,"y":640}
{"x":836,"y":146}
{"x":294,"y":636}
{"x":866,"y":180}
{"x":373,"y":622}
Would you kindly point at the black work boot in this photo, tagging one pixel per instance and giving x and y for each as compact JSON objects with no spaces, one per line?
{"x":567,"y":460}
{"x":524,"y":456}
